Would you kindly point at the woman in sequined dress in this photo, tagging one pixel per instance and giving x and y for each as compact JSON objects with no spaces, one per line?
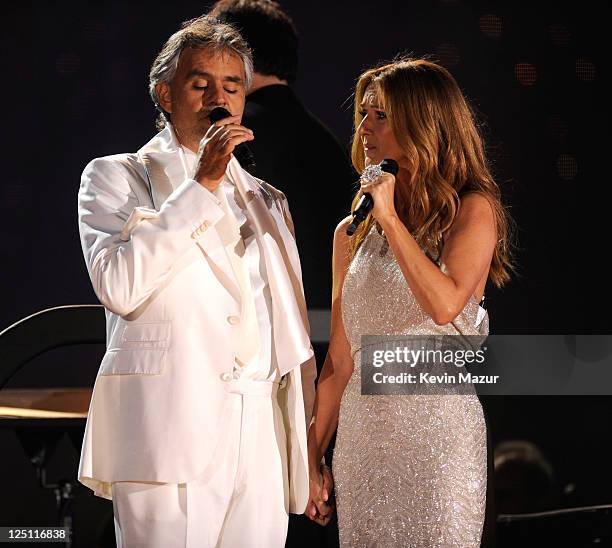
{"x":410,"y":470}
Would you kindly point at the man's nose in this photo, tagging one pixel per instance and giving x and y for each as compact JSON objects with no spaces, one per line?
{"x":216,"y":95}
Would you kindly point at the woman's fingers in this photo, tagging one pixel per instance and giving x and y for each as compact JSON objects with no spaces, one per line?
{"x":328,"y":483}
{"x":311,"y":510}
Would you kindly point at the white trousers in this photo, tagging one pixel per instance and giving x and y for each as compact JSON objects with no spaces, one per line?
{"x":239,"y":501}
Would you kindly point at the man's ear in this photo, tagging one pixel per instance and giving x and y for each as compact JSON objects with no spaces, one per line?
{"x":164,"y":96}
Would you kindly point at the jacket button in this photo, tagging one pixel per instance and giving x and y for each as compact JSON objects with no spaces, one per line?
{"x":233,"y":320}
{"x":226,"y":377}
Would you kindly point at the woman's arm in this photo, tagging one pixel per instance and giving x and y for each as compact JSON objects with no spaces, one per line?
{"x":467,"y":254}
{"x":336,"y":372}
{"x":338,"y":366}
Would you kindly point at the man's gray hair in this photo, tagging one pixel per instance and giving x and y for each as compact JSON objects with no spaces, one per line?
{"x":202,"y":32}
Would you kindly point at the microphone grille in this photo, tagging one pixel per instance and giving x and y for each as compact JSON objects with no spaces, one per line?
{"x":218,"y":113}
{"x":389,"y":166}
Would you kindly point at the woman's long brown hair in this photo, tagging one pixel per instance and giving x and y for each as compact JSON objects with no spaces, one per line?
{"x":435,"y":126}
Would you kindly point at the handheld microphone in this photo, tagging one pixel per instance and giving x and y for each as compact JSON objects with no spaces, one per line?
{"x":367,"y":202}
{"x":243,"y":153}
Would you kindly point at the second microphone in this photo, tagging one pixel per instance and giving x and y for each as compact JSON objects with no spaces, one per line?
{"x":367,"y":202}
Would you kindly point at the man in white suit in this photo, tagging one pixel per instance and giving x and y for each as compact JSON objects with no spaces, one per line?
{"x":197,"y":425}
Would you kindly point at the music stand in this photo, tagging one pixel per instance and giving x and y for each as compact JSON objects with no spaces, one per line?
{"x":40,"y":417}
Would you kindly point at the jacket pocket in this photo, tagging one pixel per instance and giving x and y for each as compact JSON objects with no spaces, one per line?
{"x":136,"y":336}
{"x":138,"y":349}
{"x":133,"y":362}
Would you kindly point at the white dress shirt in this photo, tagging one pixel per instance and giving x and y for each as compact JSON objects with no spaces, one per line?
{"x":255,"y":358}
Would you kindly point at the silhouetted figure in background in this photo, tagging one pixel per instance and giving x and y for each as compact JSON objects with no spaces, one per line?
{"x":293,"y":150}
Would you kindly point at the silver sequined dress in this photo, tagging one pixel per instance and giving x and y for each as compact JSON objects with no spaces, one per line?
{"x":410,"y":470}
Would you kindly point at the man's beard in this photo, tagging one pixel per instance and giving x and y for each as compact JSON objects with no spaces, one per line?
{"x":200,"y":126}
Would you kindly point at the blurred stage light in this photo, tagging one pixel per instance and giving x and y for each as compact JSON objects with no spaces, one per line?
{"x":96,"y":31}
{"x":585,"y":70}
{"x":491,"y":25}
{"x":16,"y":195}
{"x":525,"y":73}
{"x":558,"y":128}
{"x":448,"y":54}
{"x":67,"y":63}
{"x":567,"y":168}
{"x":559,"y":35}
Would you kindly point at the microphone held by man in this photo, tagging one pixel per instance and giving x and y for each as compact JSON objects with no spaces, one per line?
{"x":243,"y":153}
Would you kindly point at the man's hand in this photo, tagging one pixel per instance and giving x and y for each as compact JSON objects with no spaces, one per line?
{"x":216,"y":148}
{"x":320,"y":507}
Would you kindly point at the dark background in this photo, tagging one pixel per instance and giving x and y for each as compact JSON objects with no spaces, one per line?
{"x":75,"y":87}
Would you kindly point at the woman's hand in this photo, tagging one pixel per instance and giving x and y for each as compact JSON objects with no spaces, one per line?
{"x":320,"y":508}
{"x":382,"y":190}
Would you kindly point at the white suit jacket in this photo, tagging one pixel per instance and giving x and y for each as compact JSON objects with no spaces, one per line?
{"x":157,"y":264}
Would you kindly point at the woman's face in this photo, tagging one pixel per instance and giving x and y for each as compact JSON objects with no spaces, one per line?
{"x":375,"y":131}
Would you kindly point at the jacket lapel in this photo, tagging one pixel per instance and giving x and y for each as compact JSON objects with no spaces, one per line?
{"x":289,"y":314}
{"x":162,"y":162}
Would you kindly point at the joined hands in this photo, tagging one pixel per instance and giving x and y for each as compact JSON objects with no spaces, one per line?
{"x":321,"y":505}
